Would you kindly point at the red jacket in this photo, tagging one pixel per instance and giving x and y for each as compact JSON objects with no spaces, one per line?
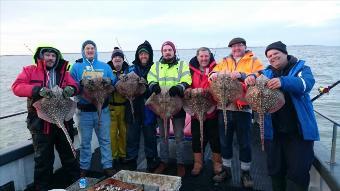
{"x":36,"y":75}
{"x":33,"y":77}
{"x":200,"y":79}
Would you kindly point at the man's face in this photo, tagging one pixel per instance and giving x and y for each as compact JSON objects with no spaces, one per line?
{"x":167,"y":52}
{"x":89,"y":51}
{"x":143,"y":58}
{"x":117,"y":62}
{"x":277,"y":59}
{"x":49,"y":58}
{"x":238,"y":50}
{"x":203,"y":58}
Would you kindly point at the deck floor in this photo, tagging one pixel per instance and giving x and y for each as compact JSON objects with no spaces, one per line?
{"x":203,"y":182}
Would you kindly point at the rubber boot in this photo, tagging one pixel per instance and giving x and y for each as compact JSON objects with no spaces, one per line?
{"x":246,"y":179}
{"x":180,"y":170}
{"x":219,"y":173}
{"x":198,"y":164}
{"x":152,"y":164}
{"x":161,"y":168}
{"x":278,"y":183}
{"x":293,"y":186}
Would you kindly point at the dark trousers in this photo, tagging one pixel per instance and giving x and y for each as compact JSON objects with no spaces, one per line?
{"x":239,"y":122}
{"x":44,"y":157}
{"x":210,"y":135}
{"x":133,"y":139}
{"x":290,"y":157}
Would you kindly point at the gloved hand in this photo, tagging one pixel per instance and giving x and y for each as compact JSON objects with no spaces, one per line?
{"x":175,"y":90}
{"x":45,"y":92}
{"x":156,"y":88}
{"x":68,"y":91}
{"x":106,"y":81}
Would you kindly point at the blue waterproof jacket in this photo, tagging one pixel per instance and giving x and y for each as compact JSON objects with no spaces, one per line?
{"x":298,"y":83}
{"x":83,"y":65}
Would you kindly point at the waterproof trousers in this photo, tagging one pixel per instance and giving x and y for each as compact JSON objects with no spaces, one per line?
{"x":118,"y":131}
{"x":289,"y":158}
{"x":238,"y":122}
{"x":43,"y":145}
{"x":210,"y":135}
{"x":178,"y":127}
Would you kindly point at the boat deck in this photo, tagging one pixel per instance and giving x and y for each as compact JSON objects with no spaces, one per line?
{"x":202,"y":182}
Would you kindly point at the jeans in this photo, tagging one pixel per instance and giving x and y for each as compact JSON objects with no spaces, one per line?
{"x":239,"y":122}
{"x":87,"y":122}
{"x":178,"y":126}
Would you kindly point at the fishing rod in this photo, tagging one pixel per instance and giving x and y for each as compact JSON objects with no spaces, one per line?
{"x":121,"y":49}
{"x":323,"y":90}
{"x":28,"y":48}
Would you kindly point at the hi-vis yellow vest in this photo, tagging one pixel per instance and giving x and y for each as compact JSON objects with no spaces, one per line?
{"x":169,"y":76}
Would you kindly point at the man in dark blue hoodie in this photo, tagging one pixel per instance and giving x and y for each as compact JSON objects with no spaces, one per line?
{"x":145,"y":120}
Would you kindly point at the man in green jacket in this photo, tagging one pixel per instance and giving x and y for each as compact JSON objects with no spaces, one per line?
{"x":171,"y":73}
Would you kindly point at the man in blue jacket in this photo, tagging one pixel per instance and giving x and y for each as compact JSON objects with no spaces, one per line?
{"x":90,"y":67}
{"x":291,"y":131}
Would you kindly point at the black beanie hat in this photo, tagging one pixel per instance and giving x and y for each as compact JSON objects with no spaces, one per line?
{"x":277,"y":46}
{"x":236,"y":41}
{"x":88,"y":42}
{"x":117,"y":52}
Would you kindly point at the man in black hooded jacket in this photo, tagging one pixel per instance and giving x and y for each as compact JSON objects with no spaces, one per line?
{"x":145,"y":120}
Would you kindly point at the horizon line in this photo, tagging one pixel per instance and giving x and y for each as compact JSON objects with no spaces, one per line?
{"x":160,"y":50}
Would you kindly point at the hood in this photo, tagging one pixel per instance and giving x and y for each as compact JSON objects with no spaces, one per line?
{"x":145,"y":45}
{"x":38,"y":53}
{"x":194,"y":63}
{"x":83,"y":52}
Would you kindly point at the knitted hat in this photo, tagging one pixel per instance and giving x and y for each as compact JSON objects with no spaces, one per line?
{"x":88,"y":42}
{"x":117,"y":52}
{"x":236,"y":41}
{"x":143,"y":50}
{"x":170,"y":44}
{"x":277,"y":46}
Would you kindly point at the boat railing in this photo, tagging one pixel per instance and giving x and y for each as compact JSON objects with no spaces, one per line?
{"x":335,"y":124}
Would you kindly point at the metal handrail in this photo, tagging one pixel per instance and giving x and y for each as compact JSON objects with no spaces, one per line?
{"x":334,"y":137}
{"x":12,"y":115}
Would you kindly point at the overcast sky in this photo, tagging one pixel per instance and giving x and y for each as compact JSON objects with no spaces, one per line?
{"x":189,"y":24}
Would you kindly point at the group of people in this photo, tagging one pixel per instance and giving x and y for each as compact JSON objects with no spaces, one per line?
{"x":289,"y":132}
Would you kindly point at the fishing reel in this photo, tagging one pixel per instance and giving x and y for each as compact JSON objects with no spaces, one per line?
{"x":323,"y":90}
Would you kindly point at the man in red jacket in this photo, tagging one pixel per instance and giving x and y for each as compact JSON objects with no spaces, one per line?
{"x":36,"y":82}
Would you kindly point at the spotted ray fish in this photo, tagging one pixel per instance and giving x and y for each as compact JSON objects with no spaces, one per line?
{"x":198,"y":103}
{"x":131,"y":86}
{"x":56,"y":110}
{"x":164,"y":106}
{"x":96,"y":90}
{"x":225,"y":91}
{"x":264,"y":100}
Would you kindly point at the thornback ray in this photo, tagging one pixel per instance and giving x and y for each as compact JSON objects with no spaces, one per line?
{"x":264,"y":100}
{"x":131,"y":86}
{"x":225,"y":90}
{"x":164,"y":106}
{"x":96,"y":90}
{"x":198,"y":102}
{"x":56,"y":110}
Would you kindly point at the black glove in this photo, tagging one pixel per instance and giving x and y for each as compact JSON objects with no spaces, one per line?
{"x":175,"y":90}
{"x":156,"y":88}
